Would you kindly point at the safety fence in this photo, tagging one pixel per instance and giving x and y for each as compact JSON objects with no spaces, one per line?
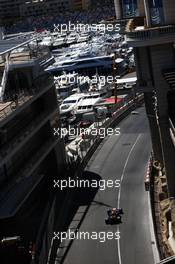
{"x":84,"y":146}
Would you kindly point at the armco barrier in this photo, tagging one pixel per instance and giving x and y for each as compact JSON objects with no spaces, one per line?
{"x":155,"y":208}
{"x":119,"y":115}
{"x":80,"y":165}
{"x":147,"y":180}
{"x":170,"y":260}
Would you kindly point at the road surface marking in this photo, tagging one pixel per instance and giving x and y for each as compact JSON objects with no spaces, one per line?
{"x":119,"y":193}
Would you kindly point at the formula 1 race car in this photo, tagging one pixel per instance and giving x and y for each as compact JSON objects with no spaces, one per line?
{"x":114,"y":216}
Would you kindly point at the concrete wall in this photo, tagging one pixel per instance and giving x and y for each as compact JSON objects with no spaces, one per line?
{"x":150,"y":63}
{"x":169,"y":11}
{"x":144,"y":75}
{"x":163,"y":58}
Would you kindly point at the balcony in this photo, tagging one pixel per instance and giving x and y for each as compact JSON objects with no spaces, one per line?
{"x":28,"y":167}
{"x":10,"y":106}
{"x":36,"y":159}
{"x":169,"y":260}
{"x":30,"y":56}
{"x":140,"y":36}
{"x":15,"y":101}
{"x":14,"y":196}
{"x":18,"y":141}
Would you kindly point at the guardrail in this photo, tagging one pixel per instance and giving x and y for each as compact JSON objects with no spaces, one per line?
{"x":4,"y":80}
{"x":156,"y":209}
{"x":86,"y":145}
{"x":76,"y":168}
{"x":169,"y":260}
{"x":16,"y":46}
{"x":147,"y":180}
{"x":133,"y":23}
{"x":172,"y":130}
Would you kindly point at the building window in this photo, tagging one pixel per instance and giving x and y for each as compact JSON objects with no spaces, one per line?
{"x":156,"y":12}
{"x":129,"y":8}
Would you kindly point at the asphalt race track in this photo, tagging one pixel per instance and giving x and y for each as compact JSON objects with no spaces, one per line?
{"x":125,"y":158}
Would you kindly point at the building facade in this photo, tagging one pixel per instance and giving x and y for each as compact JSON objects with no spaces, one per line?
{"x":154,"y":54}
{"x":126,"y":8}
{"x":152,"y":35}
{"x":31,"y":157}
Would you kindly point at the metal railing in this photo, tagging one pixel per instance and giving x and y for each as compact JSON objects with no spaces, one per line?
{"x":146,"y":33}
{"x":4,"y":80}
{"x":23,"y":133}
{"x":91,"y":142}
{"x":24,"y":96}
{"x":84,"y":146}
{"x":172,"y":130}
{"x":16,"y":46}
{"x":133,"y":23}
{"x":31,"y":53}
{"x":169,"y":260}
{"x":27,"y":164}
{"x":13,"y":105}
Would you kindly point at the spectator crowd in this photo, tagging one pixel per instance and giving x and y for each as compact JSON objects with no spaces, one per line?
{"x":100,"y":10}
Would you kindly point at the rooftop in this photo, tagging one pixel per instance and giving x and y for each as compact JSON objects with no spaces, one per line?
{"x":25,"y":55}
{"x":8,"y":45}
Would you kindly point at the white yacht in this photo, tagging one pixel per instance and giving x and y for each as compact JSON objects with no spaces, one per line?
{"x":99,"y":89}
{"x":65,"y":84}
{"x":72,"y":38}
{"x":88,"y":102}
{"x":122,"y":66}
{"x":59,"y":41}
{"x":70,"y":103}
{"x":47,"y":41}
{"x":75,"y":64}
{"x":84,"y":37}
